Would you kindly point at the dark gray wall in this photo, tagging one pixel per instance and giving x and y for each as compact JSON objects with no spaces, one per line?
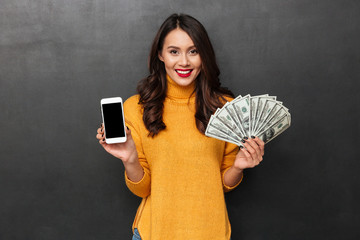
{"x":59,"y":58}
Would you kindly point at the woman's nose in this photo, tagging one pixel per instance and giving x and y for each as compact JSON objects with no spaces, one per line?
{"x":184,"y":61}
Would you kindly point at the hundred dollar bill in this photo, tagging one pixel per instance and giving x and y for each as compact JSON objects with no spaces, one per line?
{"x":252,"y":111}
{"x":254,"y":102}
{"x":279,"y":114}
{"x":215,"y":122}
{"x":270,"y":108}
{"x":276,"y":129}
{"x":242,"y":108}
{"x":215,"y":133}
{"x":260,"y":110}
{"x":225,"y":117}
{"x":229,"y":107}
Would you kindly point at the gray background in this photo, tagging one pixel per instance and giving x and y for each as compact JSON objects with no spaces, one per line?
{"x":59,"y":58}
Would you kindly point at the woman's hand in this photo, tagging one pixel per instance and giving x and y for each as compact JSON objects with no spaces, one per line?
{"x":251,"y":155}
{"x":125,"y":151}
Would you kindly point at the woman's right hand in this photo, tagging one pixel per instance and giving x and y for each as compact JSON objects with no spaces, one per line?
{"x":125,"y":151}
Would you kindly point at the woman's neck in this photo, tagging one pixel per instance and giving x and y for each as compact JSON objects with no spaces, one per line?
{"x":175,"y":91}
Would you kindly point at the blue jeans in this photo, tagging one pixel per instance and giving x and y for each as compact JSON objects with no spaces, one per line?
{"x":136,"y":235}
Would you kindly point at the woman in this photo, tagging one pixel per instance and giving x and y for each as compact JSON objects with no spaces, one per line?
{"x":179,"y":172}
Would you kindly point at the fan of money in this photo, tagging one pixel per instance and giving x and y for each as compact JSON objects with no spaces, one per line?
{"x":262,"y":116}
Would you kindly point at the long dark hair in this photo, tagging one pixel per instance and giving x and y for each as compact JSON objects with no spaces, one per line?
{"x":209,"y":94}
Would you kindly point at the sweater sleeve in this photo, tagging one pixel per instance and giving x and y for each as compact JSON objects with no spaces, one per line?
{"x":133,"y":120}
{"x":229,"y":156}
{"x":228,"y":160}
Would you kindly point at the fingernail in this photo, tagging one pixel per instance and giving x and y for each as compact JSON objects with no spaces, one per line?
{"x":243,"y":141}
{"x":241,"y":147}
{"x":246,"y":138}
{"x":127,"y":128}
{"x":103,"y":135}
{"x":252,"y":137}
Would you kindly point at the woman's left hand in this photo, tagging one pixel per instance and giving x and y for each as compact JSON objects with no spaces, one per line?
{"x":251,"y":155}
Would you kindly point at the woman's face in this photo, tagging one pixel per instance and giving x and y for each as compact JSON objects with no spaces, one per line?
{"x":181,"y":58}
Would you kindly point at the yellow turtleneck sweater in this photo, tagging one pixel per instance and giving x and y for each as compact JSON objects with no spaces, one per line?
{"x":183,"y":185}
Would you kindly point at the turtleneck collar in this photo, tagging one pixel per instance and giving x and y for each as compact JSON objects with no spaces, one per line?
{"x":177,"y":92}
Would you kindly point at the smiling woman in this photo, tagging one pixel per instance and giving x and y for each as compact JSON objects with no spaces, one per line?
{"x":180,"y":57}
{"x":181,"y":45}
{"x":180,"y":174}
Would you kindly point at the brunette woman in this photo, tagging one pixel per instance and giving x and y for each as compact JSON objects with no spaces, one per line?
{"x":180,"y":174}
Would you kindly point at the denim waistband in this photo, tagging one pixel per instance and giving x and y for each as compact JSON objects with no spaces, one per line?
{"x":136,"y":235}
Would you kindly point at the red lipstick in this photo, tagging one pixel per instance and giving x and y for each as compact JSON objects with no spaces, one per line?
{"x":184,"y":73}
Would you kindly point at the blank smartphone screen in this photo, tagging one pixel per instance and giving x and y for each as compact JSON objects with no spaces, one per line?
{"x":113,"y":120}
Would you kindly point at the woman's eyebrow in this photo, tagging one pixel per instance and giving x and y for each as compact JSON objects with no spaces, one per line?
{"x":179,"y":48}
{"x":173,"y":47}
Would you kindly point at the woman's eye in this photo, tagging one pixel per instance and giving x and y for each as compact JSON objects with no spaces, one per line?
{"x":173,"y":51}
{"x":193,"y":52}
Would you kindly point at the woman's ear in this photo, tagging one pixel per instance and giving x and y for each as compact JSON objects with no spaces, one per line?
{"x":160,"y":57}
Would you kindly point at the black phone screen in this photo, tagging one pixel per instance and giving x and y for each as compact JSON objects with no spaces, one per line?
{"x":113,"y":120}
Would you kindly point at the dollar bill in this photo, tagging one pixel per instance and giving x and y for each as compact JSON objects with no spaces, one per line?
{"x":242,"y":108}
{"x":271,"y":107}
{"x":225,"y":117}
{"x":215,"y":133}
{"x":229,"y":107}
{"x":279,"y":114}
{"x":216,"y":123}
{"x":276,"y":129}
{"x":254,"y":106}
{"x":259,"y":111}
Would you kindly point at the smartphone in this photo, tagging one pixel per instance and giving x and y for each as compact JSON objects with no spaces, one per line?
{"x":113,"y":119}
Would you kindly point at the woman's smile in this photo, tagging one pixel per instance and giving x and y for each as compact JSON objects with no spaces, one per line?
{"x":184,"y":73}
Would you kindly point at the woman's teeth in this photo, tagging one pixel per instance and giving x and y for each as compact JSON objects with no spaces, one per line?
{"x":183,"y":72}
